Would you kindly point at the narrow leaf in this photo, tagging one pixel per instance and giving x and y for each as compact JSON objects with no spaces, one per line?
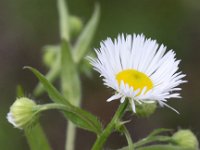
{"x":81,"y":118}
{"x":64,"y":20}
{"x":84,"y":40}
{"x":37,"y":139}
{"x":70,"y":81}
{"x":51,"y":90}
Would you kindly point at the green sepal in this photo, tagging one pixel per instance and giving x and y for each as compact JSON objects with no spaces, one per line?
{"x":78,"y":116}
{"x":85,"y":38}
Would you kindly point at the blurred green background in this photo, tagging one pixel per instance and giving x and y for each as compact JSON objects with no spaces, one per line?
{"x":26,"y":26}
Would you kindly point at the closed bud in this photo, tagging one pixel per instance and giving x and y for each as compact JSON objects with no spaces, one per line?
{"x":186,"y":139}
{"x":75,"y":25}
{"x":23,"y":113}
{"x":145,"y":109}
{"x":50,"y":55}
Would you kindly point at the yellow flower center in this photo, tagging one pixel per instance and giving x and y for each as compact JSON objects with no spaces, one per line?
{"x":135,"y":79}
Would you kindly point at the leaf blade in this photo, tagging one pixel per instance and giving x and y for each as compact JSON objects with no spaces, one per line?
{"x":78,"y":116}
{"x":84,"y":40}
{"x":63,"y":20}
{"x":70,"y":81}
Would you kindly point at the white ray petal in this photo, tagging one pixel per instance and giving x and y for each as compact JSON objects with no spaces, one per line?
{"x":133,"y":105}
{"x":114,"y":97}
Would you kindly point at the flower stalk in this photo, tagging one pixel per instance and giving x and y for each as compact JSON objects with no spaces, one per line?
{"x":101,"y":139}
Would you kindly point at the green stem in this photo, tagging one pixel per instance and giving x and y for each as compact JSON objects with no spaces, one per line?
{"x":98,"y":145}
{"x":70,"y":135}
{"x":128,"y":137}
{"x":45,"y":107}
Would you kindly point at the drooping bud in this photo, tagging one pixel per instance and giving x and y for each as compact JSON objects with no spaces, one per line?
{"x":145,"y":109}
{"x":186,"y":139}
{"x":23,"y":113}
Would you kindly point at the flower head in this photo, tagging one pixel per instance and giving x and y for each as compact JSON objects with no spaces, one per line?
{"x":138,"y":69}
{"x":22,"y":113}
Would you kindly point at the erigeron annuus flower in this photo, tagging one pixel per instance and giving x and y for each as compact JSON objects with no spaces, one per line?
{"x":138,"y":69}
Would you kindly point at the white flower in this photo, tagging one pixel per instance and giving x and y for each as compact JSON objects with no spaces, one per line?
{"x":138,"y":69}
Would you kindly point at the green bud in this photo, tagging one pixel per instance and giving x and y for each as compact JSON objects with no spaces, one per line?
{"x":186,"y":139}
{"x":23,"y":113}
{"x":145,"y":109}
{"x":75,"y":25}
{"x":50,"y":54}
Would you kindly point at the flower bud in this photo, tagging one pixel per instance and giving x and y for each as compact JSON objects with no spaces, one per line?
{"x":186,"y":139}
{"x":145,"y":109}
{"x":50,"y":55}
{"x":23,"y":113}
{"x":75,"y":25}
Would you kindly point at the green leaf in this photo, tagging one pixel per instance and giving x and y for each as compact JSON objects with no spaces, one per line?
{"x":19,"y":91}
{"x":81,"y":118}
{"x":64,"y":20}
{"x":70,"y":81}
{"x":84,"y":40}
{"x":84,"y":119}
{"x":37,"y":139}
{"x":51,"y":90}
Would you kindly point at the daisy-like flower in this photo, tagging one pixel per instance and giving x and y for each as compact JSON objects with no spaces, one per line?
{"x":139,"y":69}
